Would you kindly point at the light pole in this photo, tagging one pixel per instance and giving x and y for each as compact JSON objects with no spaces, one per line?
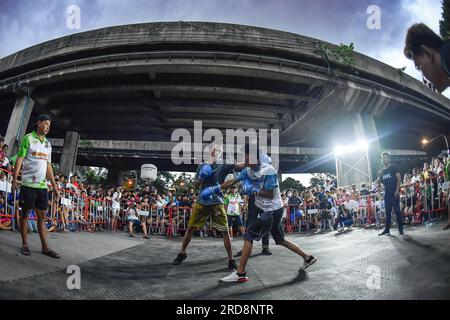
{"x":426,"y":141}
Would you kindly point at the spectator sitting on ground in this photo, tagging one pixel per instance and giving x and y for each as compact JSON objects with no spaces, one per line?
{"x":133,"y":221}
{"x":345,"y":218}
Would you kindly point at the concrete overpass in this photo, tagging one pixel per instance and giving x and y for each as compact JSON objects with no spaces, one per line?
{"x":140,"y":82}
{"x":123,"y":155}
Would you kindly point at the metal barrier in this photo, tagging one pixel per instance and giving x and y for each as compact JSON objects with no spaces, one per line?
{"x":420,"y":204}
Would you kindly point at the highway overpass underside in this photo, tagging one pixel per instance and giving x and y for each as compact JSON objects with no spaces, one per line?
{"x":142,"y":82}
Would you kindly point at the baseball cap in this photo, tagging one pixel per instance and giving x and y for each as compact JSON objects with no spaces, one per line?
{"x":43,"y":117}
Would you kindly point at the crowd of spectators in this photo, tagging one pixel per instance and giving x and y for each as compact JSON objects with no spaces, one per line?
{"x":424,"y":197}
{"x":148,"y":211}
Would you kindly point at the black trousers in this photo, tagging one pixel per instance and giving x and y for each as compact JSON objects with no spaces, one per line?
{"x":390,"y":202}
{"x":253,"y":213}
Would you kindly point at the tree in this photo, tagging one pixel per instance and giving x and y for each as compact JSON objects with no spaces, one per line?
{"x":316,"y":181}
{"x":96,"y":175}
{"x":164,"y":180}
{"x":290,"y":183}
{"x":319,"y":180}
{"x":444,"y":24}
{"x":183,"y":183}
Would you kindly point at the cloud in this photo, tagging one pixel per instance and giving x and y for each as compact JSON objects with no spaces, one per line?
{"x":25,"y":23}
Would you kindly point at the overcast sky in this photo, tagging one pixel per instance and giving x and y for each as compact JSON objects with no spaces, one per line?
{"x":24,"y":23}
{"x":27,"y":22}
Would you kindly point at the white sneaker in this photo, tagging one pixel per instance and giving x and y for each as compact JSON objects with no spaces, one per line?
{"x":234,"y":277}
{"x":309,"y":262}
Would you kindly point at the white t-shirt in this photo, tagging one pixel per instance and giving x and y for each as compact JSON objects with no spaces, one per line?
{"x":351,"y":205}
{"x":132,"y":214}
{"x":266,"y":177}
{"x":160,"y":203}
{"x":115,"y":200}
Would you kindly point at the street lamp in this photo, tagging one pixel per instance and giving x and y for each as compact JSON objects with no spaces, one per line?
{"x":426,"y":141}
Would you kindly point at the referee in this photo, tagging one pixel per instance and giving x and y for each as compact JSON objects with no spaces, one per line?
{"x":34,"y":158}
{"x":390,"y":177}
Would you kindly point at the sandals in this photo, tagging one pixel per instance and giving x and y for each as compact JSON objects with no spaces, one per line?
{"x":51,"y":254}
{"x":25,"y":251}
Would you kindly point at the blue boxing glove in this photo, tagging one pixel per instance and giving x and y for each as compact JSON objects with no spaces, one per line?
{"x":207,"y":193}
{"x":248,"y":188}
{"x":205,"y":171}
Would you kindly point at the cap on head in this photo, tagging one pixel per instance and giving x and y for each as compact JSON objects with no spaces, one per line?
{"x":43,"y":117}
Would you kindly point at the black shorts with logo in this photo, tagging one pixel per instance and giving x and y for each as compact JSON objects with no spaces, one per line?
{"x":31,"y":198}
{"x":267,"y":222}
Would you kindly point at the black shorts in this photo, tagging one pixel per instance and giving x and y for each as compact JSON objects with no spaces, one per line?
{"x":135,"y":222}
{"x":237,"y":219}
{"x":267,"y":222}
{"x":31,"y":198}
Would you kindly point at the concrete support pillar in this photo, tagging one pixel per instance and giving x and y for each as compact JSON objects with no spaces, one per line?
{"x":69,"y":153}
{"x":115,"y":177}
{"x":18,"y":123}
{"x":121,"y":177}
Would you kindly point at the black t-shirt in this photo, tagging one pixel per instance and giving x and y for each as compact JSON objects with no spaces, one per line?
{"x":294,"y":201}
{"x":389,"y":179}
{"x":364,"y":192}
{"x":325,"y":205}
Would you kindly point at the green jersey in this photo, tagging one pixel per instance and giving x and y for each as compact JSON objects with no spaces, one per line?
{"x":37,"y":154}
{"x":233,"y":201}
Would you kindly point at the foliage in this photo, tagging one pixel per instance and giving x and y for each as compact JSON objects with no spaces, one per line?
{"x":95,"y":175}
{"x":338,"y":58}
{"x":292,"y":184}
{"x":85,"y":144}
{"x":444,"y":24}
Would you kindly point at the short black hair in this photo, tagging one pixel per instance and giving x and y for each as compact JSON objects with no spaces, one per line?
{"x":385,"y":153}
{"x":419,"y":35}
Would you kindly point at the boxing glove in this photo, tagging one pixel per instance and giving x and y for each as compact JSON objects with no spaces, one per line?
{"x":205,"y":171}
{"x":207,"y":193}
{"x":248,"y":188}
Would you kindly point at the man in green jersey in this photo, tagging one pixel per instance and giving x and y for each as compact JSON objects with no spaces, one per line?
{"x":34,"y":158}
{"x":233,"y":202}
